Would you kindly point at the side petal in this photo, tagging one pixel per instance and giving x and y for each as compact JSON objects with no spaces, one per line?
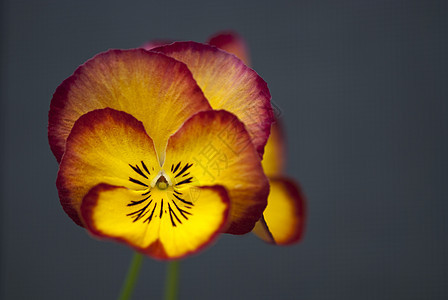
{"x":285,"y":216}
{"x":274,"y":153}
{"x":105,"y":146}
{"x":154,"y":88}
{"x":163,"y":232}
{"x":228,"y":84}
{"x":213,"y":147}
{"x":231,"y":42}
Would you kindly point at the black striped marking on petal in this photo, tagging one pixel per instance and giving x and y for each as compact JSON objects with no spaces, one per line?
{"x":137,"y":182}
{"x":138,"y":171}
{"x":177,"y":167}
{"x":151,"y":215}
{"x":161,"y":210}
{"x":183,"y":200}
{"x":182,"y":212}
{"x":138,"y":202}
{"x":188,"y":180}
{"x":139,"y":213}
{"x":172,"y":213}
{"x":187,"y":166}
{"x":146,"y":168}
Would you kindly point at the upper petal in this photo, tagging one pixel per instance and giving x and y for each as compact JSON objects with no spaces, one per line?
{"x":154,"y":88}
{"x":285,"y":216}
{"x":228,"y":84}
{"x":105,"y":146}
{"x":155,"y":222}
{"x":274,"y":153}
{"x":213,"y":147}
{"x":155,"y":43}
{"x":231,"y":42}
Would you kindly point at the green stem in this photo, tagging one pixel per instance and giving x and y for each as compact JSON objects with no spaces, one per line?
{"x":172,"y":280}
{"x":131,"y":277}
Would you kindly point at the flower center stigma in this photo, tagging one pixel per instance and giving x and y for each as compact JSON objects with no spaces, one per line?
{"x":162,"y":183}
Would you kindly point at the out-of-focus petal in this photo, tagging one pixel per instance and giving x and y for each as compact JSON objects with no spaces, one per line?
{"x":231,"y":42}
{"x":154,"y":88}
{"x":285,"y":214}
{"x":228,"y":84}
{"x":213,"y":147}
{"x":105,"y":146}
{"x":156,"y":223}
{"x":274,"y":153}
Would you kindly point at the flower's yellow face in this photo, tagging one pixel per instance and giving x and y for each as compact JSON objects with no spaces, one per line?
{"x":144,"y":158}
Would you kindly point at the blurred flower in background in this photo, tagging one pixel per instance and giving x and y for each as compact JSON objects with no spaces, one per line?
{"x":283,"y":221}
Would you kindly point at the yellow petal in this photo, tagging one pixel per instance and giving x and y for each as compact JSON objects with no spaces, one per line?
{"x":228,"y":84}
{"x":154,"y":88}
{"x":274,"y":152}
{"x":105,"y":146}
{"x":284,"y":217}
{"x":155,"y":222}
{"x":213,"y":147}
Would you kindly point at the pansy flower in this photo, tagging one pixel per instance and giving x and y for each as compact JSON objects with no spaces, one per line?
{"x":283,"y":221}
{"x":161,"y":149}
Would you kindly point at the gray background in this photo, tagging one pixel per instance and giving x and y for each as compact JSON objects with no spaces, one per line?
{"x":362,"y":86}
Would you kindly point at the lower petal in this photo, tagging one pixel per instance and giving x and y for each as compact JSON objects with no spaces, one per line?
{"x":155,"y":222}
{"x":284,"y":217}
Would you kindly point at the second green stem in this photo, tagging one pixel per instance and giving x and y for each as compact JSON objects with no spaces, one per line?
{"x":172,"y":281}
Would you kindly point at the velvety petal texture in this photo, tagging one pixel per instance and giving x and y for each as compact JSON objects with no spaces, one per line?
{"x":156,"y":89}
{"x":228,"y":84}
{"x":231,"y":42}
{"x":105,"y":146}
{"x":214,"y":148}
{"x":284,"y":217}
{"x":154,"y":222}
